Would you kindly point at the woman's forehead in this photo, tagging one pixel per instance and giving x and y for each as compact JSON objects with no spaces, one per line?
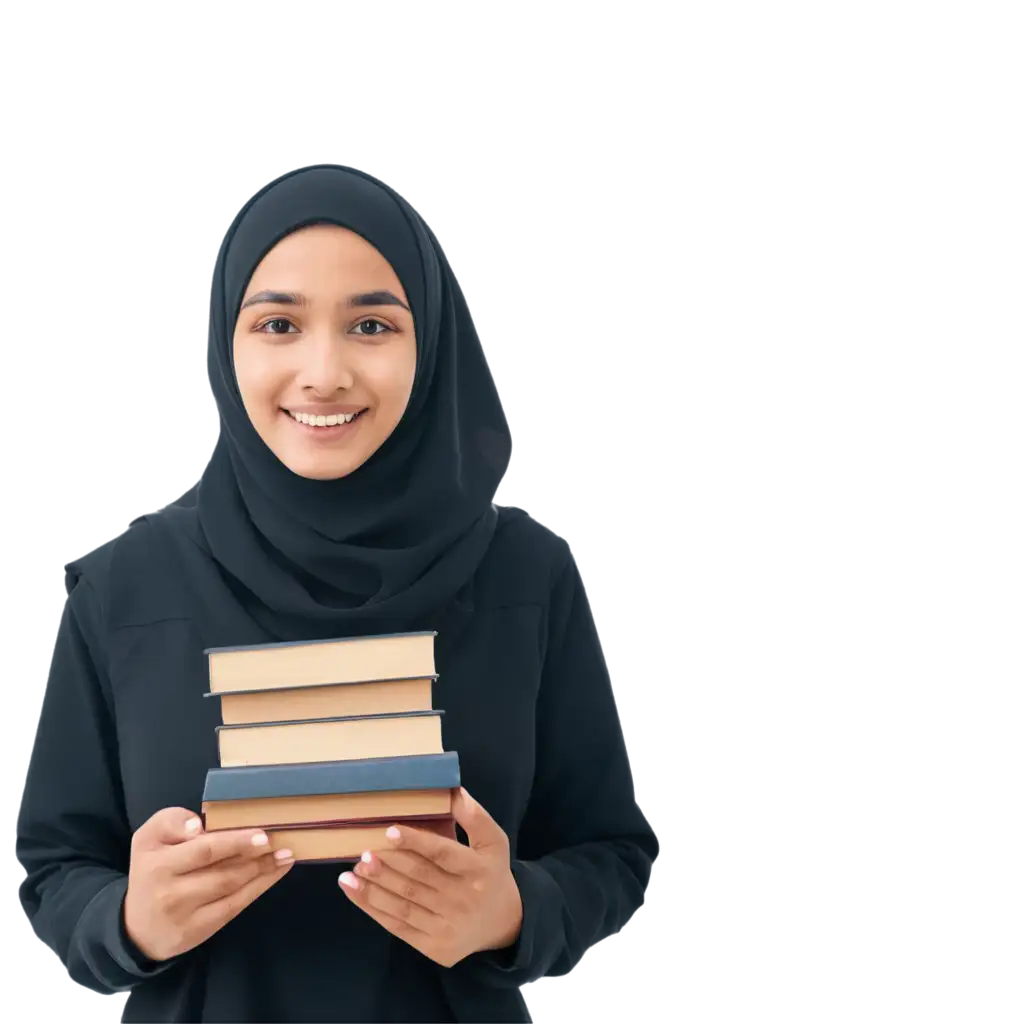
{"x":357,"y":207}
{"x":317,"y":268}
{"x":327,"y":258}
{"x":325,"y":242}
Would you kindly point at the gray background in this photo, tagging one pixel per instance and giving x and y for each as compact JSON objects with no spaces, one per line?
{"x":779,"y":404}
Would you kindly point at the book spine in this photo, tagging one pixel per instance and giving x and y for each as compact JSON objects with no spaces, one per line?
{"x":278,"y":826}
{"x":325,"y":778}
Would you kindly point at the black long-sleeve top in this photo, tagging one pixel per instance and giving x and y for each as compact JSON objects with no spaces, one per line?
{"x":124,"y":731}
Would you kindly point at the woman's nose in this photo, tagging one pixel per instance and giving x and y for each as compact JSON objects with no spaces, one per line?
{"x":325,"y":367}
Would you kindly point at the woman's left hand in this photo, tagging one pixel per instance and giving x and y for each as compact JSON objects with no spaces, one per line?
{"x":444,"y":899}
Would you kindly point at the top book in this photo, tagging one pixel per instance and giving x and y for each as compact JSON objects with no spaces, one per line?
{"x":321,"y":662}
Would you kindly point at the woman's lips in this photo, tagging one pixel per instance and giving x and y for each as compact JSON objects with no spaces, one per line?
{"x":322,"y":434}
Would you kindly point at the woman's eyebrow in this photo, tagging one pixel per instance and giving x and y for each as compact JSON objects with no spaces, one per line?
{"x":381,"y":298}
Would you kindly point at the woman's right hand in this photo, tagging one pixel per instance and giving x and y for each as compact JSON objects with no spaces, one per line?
{"x":184,"y":884}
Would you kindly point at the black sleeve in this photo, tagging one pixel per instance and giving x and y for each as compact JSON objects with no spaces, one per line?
{"x":584,"y":850}
{"x":73,"y":838}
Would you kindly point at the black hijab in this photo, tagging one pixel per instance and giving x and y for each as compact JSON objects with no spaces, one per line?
{"x":397,"y":538}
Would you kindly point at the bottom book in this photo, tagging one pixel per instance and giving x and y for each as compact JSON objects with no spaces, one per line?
{"x":347,"y":842}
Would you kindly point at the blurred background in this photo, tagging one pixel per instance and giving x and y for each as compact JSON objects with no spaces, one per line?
{"x":749,"y":280}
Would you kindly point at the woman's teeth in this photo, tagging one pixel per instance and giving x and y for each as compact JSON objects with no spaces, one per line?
{"x":323,"y":421}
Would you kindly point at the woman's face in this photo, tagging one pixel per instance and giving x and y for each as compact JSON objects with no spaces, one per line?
{"x":324,"y":335}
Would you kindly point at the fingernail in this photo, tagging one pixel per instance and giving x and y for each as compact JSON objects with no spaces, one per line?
{"x":367,"y":857}
{"x":260,"y":839}
{"x":393,"y":834}
{"x":347,"y":878}
{"x":192,"y":826}
{"x":283,"y":855}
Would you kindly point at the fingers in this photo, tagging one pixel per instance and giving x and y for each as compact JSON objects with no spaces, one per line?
{"x":213,"y":916}
{"x":211,"y":848}
{"x":447,"y":854}
{"x":480,"y":828}
{"x":396,"y":925}
{"x":178,"y":833}
{"x":389,"y":908}
{"x":167,"y":827}
{"x":412,"y":887}
{"x":225,"y":877}
{"x":416,"y":867}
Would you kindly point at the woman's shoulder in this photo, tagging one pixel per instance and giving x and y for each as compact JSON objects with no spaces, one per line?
{"x":132,"y":576}
{"x":523,"y":562}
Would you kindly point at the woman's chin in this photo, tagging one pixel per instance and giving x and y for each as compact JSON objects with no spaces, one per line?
{"x":320,"y":465}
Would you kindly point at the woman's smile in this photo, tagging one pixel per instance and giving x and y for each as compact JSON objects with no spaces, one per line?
{"x":323,"y":427}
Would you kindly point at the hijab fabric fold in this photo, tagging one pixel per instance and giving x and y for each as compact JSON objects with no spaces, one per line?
{"x":397,"y":538}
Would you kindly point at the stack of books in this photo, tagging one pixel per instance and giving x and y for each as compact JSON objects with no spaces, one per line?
{"x":325,"y":744}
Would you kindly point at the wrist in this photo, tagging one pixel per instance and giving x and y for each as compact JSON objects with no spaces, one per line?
{"x":136,"y":946}
{"x":513,"y":920}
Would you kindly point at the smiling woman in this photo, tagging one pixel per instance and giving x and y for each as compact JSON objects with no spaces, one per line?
{"x":350,"y":493}
{"x":323,"y":382}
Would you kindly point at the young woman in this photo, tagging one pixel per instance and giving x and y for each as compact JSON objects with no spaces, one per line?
{"x":332,"y":299}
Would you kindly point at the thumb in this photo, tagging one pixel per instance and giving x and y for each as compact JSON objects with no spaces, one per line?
{"x":168,"y":827}
{"x":483,"y":831}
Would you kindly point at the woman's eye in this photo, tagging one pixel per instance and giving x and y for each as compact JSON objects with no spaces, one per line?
{"x":378,"y":328}
{"x":277,"y":320}
{"x":375,"y":323}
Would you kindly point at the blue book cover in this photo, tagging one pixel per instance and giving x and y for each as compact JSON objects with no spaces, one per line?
{"x":323,"y":778}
